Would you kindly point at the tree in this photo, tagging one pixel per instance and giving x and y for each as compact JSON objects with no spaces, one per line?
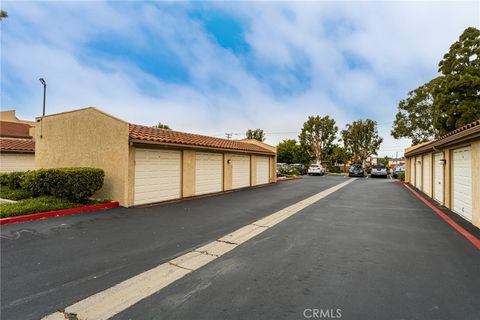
{"x":361,"y":139}
{"x":289,"y":151}
{"x":385,"y":161}
{"x":3,"y":14}
{"x":339,"y":155}
{"x":286,"y":151}
{"x":415,"y":118}
{"x":448,"y":101}
{"x":459,"y":93}
{"x":256,"y":134}
{"x":162,"y":126}
{"x":317,"y":136}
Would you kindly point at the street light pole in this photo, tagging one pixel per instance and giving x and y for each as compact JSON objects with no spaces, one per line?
{"x":42,"y":81}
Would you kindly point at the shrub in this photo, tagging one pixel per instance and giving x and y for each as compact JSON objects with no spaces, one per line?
{"x":11,"y":180}
{"x":401,"y":176}
{"x":288,"y":171}
{"x":14,"y":194}
{"x":334,"y":169}
{"x":74,"y":184}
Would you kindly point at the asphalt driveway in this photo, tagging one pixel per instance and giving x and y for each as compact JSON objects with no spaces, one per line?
{"x":371,"y":249}
{"x":49,"y":264}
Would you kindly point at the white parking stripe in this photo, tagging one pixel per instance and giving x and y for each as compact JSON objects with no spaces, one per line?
{"x":109,"y":302}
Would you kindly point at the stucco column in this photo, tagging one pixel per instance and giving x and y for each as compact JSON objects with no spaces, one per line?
{"x":188,"y":173}
{"x":253,"y":170}
{"x":447,"y":179}
{"x":227,"y":172}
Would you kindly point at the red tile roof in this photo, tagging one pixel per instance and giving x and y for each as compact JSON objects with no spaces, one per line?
{"x":19,"y":145}
{"x":453,"y":136}
{"x":14,"y":130}
{"x":149,"y":134}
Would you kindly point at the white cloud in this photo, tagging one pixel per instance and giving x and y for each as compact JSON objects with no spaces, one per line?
{"x":400,"y":43}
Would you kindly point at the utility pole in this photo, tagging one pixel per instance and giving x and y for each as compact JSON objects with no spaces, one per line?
{"x":229,"y":135}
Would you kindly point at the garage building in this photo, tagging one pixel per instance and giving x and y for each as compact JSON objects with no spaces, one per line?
{"x":145,"y":165}
{"x":17,"y":147}
{"x":448,"y":170}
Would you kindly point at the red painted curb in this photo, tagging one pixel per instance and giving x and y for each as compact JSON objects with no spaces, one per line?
{"x":470,"y":237}
{"x":289,"y":179}
{"x":64,"y":212}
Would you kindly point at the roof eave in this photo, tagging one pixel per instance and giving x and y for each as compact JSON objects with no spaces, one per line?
{"x":189,"y":146}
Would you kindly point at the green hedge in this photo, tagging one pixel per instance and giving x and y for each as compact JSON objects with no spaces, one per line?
{"x":11,"y":180}
{"x":14,"y":194}
{"x":288,"y":171}
{"x":74,"y":184}
{"x":334,"y":169}
{"x":401,"y":176}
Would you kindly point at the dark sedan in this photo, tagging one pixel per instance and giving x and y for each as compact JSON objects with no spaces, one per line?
{"x":356,"y":170}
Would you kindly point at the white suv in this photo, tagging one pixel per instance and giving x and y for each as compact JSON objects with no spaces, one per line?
{"x":316,"y":169}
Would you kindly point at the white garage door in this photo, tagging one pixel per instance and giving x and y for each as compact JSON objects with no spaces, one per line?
{"x":240,"y":171}
{"x":157,"y":175}
{"x":208,"y":173}
{"x":418,"y":170}
{"x":17,"y":162}
{"x":426,"y":173}
{"x":438,"y":177}
{"x":263,"y":170}
{"x":412,"y":171}
{"x":462,"y":182}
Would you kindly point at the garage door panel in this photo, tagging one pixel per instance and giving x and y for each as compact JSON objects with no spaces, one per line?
{"x":462,"y":182}
{"x":157,"y":175}
{"x":263,"y":170}
{"x":208,"y":172}
{"x":240,"y":171}
{"x":426,"y":174}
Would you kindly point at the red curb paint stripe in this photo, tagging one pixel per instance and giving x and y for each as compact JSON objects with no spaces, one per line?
{"x":64,"y":212}
{"x":289,"y":179}
{"x":470,"y":237}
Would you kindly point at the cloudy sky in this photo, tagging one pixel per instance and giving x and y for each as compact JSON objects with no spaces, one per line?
{"x":217,"y":67}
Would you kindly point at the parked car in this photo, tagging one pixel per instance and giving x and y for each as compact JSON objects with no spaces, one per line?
{"x":379,"y":171}
{"x":398,"y":169}
{"x":356,"y":170}
{"x":299,"y":167}
{"x":316,"y":170}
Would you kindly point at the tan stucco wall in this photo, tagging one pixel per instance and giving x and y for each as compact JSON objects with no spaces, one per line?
{"x":87,"y":138}
{"x":447,"y":178}
{"x":188,"y":173}
{"x":227,"y":172}
{"x":10,"y":116}
{"x":130,"y":188}
{"x":253,"y":170}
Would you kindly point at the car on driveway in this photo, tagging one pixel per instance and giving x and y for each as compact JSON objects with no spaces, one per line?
{"x":379,"y":171}
{"x":316,"y":170}
{"x":356,"y":170}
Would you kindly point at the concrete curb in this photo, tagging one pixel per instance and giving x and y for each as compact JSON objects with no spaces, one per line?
{"x":64,"y":212}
